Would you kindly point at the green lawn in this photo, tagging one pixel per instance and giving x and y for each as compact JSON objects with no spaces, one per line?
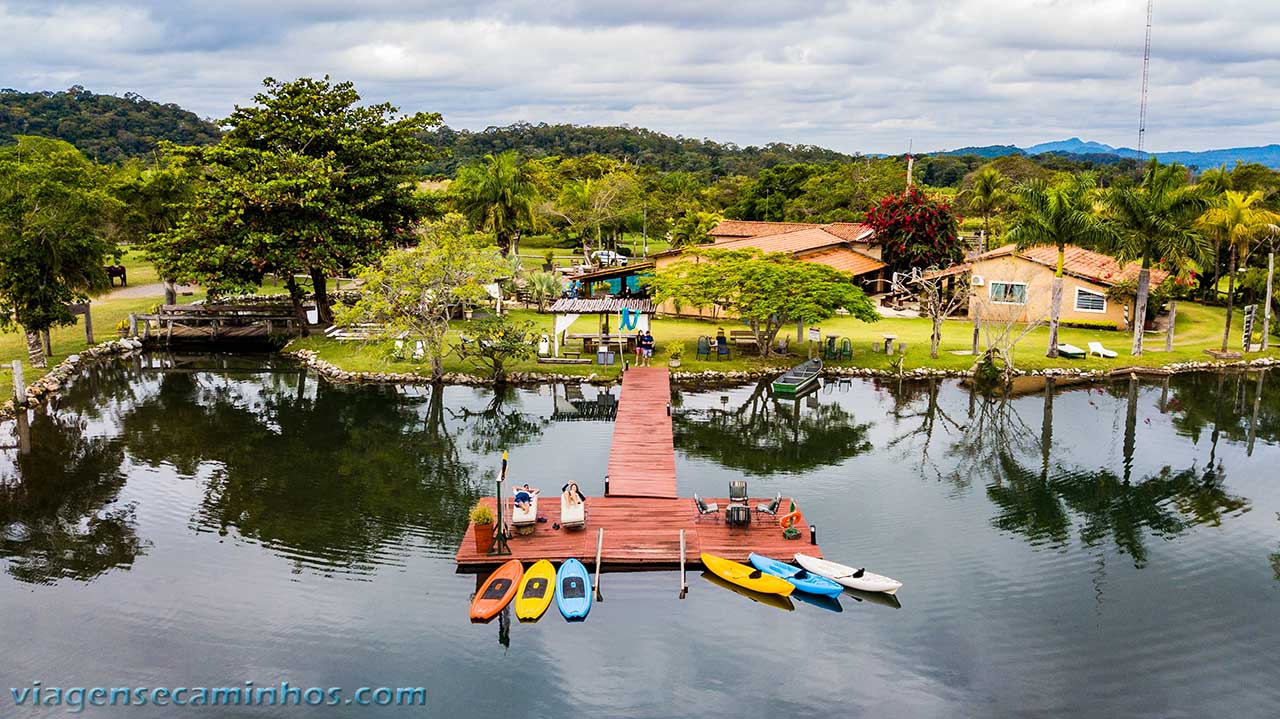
{"x":1198,"y":328}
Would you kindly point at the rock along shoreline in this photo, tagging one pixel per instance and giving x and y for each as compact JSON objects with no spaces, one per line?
{"x":50,"y":385}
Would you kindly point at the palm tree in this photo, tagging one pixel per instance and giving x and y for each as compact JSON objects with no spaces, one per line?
{"x":1214,"y":182}
{"x":1155,"y":222}
{"x":1236,"y":220}
{"x":986,"y":197}
{"x":1060,"y":215}
{"x":497,"y":193}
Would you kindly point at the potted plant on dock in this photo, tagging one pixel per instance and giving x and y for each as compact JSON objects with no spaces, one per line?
{"x":673,"y":354}
{"x":482,"y":518}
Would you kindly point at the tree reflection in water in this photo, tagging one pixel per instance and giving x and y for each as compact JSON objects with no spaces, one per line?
{"x":59,"y":511}
{"x":768,"y":435}
{"x":331,"y":480}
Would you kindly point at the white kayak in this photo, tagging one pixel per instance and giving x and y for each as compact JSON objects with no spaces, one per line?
{"x":848,"y":576}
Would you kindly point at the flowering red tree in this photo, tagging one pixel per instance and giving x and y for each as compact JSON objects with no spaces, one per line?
{"x":916,"y":231}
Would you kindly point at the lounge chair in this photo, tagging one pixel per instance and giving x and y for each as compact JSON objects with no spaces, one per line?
{"x":770,"y":507}
{"x":704,"y":507}
{"x":737,"y":492}
{"x":1096,"y":348}
{"x":524,"y":518}
{"x":573,"y":515}
{"x":1070,"y":351}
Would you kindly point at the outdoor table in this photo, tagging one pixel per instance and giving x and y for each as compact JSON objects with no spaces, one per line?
{"x":888,"y":343}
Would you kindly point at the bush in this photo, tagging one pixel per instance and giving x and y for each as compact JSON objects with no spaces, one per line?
{"x":1091,"y":325}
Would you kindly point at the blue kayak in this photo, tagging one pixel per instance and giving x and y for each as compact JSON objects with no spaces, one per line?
{"x":573,"y":590}
{"x":803,"y":580}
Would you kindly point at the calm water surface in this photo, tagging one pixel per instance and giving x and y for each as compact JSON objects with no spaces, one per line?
{"x":1086,"y":550}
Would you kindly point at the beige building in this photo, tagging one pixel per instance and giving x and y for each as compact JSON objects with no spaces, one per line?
{"x":1021,"y":281}
{"x":846,"y":246}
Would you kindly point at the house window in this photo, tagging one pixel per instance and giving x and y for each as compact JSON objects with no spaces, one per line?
{"x":1009,"y":293}
{"x":1087,"y":301}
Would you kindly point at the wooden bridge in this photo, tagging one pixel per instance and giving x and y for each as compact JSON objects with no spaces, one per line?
{"x":640,"y":513}
{"x":176,"y":324}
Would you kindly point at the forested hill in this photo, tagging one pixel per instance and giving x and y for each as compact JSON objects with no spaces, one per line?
{"x":634,"y":144}
{"x":104,"y":127}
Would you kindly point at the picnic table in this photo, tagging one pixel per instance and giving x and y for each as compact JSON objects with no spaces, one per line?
{"x":592,"y":341}
{"x":888,"y":343}
{"x":744,"y":338}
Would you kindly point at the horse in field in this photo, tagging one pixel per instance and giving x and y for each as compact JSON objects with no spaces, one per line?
{"x":114,"y":271}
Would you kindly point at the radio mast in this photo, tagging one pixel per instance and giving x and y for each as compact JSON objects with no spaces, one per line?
{"x":1146,"y":65}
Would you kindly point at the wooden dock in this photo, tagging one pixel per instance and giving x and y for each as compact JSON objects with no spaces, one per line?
{"x":641,"y":514}
{"x":642,"y":458}
{"x":641,"y":533}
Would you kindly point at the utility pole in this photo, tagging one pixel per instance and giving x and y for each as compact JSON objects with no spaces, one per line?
{"x":911,"y":162}
{"x":644,"y":226}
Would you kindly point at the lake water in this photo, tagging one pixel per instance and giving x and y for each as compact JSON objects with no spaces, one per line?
{"x":1086,"y":550}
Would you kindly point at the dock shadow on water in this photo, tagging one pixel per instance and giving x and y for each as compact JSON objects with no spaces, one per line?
{"x":1058,"y":543}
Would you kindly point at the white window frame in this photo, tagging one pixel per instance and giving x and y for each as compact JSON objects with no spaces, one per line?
{"x":1077,"y":306}
{"x":991,"y":292}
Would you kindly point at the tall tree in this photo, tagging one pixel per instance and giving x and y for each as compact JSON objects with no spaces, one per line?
{"x":1236,"y":220}
{"x":352,"y":199}
{"x":497,"y":194}
{"x":986,"y":197}
{"x":768,"y":292}
{"x":418,"y":289}
{"x":916,"y":230}
{"x":53,"y":242}
{"x":1058,"y":215}
{"x":1155,"y":222}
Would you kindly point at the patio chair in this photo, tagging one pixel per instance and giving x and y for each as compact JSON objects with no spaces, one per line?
{"x":829,"y":349}
{"x":737,"y":491}
{"x":783,"y":345}
{"x":704,"y":508}
{"x":704,"y":347}
{"x":1096,"y":348}
{"x":770,"y":507}
{"x":722,"y":350}
{"x":846,"y":348}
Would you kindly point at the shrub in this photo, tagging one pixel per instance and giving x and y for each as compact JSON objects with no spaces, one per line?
{"x":481,"y":514}
{"x":1091,"y":325}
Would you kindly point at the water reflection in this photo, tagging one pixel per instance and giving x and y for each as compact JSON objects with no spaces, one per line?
{"x":59,"y":510}
{"x":767,"y":434}
{"x":332,"y":478}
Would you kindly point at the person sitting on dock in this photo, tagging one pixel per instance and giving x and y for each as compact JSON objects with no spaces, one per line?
{"x":646,"y":348}
{"x":572,"y":494}
{"x":524,"y":495}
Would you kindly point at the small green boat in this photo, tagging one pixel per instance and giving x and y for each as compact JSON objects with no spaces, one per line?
{"x":798,"y":378}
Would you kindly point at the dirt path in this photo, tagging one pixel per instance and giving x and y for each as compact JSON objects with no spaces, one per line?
{"x":134,"y":292}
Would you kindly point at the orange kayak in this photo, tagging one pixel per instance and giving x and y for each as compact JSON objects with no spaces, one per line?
{"x":497,"y":590}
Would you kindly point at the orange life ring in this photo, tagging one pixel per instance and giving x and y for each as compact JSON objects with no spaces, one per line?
{"x":787,"y":521}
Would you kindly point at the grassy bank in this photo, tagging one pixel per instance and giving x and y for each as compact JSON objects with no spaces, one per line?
{"x":1198,"y":328}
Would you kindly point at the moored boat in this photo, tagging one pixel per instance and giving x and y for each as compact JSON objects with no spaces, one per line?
{"x":744,"y":576}
{"x":803,"y":580}
{"x":848,"y":576}
{"x":798,"y":378}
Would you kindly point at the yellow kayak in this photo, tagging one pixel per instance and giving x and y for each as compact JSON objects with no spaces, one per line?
{"x":744,"y":576}
{"x":536,"y":591}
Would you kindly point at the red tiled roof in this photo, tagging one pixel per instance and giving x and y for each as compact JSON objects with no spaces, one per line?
{"x":730,"y":230}
{"x":1077,"y":261}
{"x":794,"y":241}
{"x":845,"y":260}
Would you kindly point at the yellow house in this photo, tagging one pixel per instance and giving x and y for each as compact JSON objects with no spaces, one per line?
{"x":1022,"y":281}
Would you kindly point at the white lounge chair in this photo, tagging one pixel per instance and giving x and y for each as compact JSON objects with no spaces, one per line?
{"x":1096,"y":348}
{"x":525,"y":517}
{"x":573,"y":515}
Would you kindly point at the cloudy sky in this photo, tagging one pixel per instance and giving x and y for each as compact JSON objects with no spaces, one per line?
{"x":860,"y":75}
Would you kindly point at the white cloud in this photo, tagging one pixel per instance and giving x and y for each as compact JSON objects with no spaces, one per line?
{"x":865,"y":75}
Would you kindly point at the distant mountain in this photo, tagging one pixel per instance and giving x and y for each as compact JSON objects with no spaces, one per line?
{"x":1076,"y":148}
{"x":104,"y":127}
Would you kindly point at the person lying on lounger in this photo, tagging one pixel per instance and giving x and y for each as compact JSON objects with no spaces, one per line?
{"x":572,"y":494}
{"x":524,"y":495}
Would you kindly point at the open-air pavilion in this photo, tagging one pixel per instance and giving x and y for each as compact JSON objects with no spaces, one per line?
{"x":632,"y":315}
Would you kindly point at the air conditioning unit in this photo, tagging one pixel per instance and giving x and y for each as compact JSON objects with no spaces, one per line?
{"x":977,"y":281}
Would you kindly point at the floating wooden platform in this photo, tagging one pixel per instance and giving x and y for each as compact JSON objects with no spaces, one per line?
{"x":641,"y":533}
{"x":642,"y":458}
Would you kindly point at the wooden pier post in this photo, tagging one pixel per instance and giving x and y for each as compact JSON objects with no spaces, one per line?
{"x":133,"y":325}
{"x":19,"y":386}
{"x":684,"y":585}
{"x":599,"y":547}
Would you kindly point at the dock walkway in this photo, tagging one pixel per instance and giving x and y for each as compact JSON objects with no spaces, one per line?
{"x":640,"y":512}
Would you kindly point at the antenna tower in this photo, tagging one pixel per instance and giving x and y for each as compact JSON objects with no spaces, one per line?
{"x":1146,"y":64}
